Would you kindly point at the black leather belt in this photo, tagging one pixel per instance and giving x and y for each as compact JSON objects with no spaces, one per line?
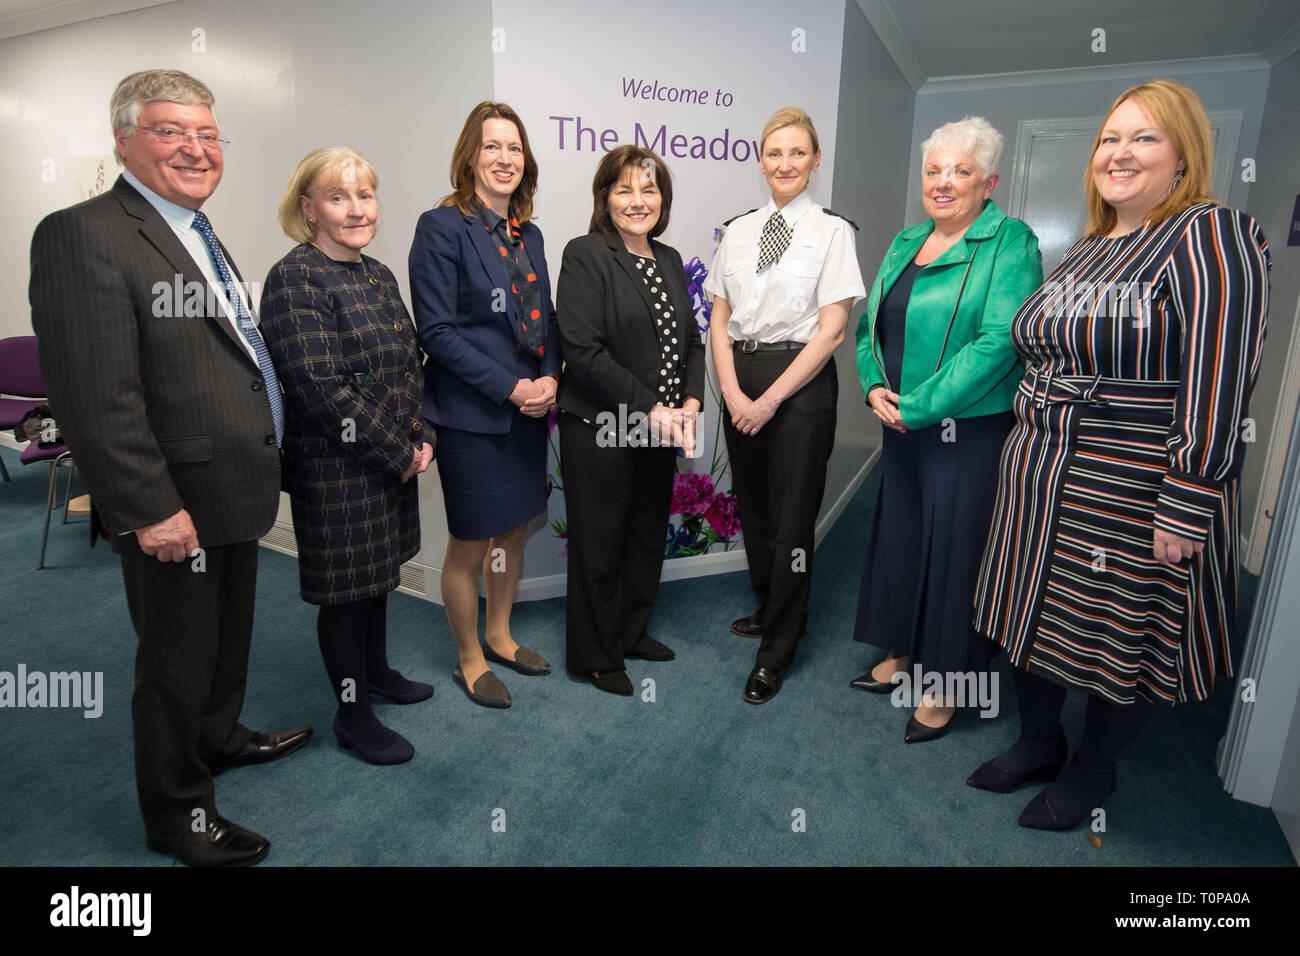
{"x":749,"y":346}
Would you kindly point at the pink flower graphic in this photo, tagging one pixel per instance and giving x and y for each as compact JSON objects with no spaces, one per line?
{"x":722,"y":518}
{"x":692,"y":493}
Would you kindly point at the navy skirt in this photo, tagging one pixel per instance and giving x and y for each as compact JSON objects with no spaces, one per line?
{"x":932,"y":521}
{"x":492,"y":484}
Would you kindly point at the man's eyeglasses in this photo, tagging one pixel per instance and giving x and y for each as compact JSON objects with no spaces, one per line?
{"x":170,"y":135}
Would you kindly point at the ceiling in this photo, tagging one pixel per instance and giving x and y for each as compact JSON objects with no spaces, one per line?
{"x":931,"y":39}
{"x":28,"y":16}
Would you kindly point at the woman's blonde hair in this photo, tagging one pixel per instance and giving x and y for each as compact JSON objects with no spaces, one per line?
{"x":1177,"y":111}
{"x":332,"y":161}
{"x":789,"y":116}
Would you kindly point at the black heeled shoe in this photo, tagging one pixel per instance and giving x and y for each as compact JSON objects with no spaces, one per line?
{"x":995,"y":779}
{"x":918,"y":733}
{"x":871,"y":685}
{"x":1040,"y":814}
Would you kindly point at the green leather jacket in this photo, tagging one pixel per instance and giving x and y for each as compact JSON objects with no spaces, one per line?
{"x":955,"y":364}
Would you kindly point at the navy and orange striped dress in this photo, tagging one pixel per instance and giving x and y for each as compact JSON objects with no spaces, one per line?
{"x":1142,"y":354}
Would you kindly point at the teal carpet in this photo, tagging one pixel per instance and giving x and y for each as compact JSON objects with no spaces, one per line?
{"x":575,"y":775}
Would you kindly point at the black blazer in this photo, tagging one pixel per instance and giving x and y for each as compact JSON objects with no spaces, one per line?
{"x":161,"y":411}
{"x":607,"y":326}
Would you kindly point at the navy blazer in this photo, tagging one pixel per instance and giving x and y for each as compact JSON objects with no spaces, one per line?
{"x":457,"y":276}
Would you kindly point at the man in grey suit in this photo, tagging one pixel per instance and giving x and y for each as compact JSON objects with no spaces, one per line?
{"x":161,"y":384}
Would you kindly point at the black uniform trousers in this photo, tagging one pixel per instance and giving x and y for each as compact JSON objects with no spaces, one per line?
{"x":191,"y":664}
{"x":779,"y":478}
{"x":617,"y":499}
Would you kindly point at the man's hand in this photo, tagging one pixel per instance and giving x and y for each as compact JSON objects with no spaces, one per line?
{"x":172,"y":539}
{"x":543,"y":398}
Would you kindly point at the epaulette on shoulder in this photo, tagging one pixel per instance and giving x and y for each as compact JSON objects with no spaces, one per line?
{"x":832,"y":212}
{"x":734,"y":218}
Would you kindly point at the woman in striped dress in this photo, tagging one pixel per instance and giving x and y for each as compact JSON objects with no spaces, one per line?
{"x":1111,"y":560}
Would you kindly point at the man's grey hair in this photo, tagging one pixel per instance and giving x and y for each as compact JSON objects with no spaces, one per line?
{"x":153,"y":86}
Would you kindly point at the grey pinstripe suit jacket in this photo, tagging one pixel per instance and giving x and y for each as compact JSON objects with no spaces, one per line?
{"x":162,"y":412}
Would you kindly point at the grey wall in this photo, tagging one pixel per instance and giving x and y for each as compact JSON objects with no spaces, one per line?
{"x":1272,"y":200}
{"x":1005,"y":107}
{"x":874,"y":134}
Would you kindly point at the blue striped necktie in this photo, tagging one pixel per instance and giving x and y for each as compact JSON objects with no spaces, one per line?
{"x":246,"y":324}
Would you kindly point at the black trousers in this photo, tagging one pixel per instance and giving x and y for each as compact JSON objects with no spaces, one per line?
{"x":779,"y":478}
{"x":191,"y":664}
{"x":617,"y":501}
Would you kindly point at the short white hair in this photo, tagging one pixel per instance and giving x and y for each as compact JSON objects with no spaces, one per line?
{"x":972,"y":135}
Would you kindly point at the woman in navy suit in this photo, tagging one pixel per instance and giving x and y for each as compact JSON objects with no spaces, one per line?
{"x":483,"y":306}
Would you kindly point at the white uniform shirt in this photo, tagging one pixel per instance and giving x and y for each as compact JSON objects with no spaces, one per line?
{"x":819,"y":267}
{"x":182,"y":222}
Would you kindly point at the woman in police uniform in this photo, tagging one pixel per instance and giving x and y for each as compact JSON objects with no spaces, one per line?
{"x":781,"y":283}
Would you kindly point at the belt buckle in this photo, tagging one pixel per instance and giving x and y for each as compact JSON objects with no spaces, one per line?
{"x":749,"y":346}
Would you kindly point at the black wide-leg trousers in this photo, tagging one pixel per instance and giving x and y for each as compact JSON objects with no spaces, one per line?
{"x":779,"y":478}
{"x":617,"y":500}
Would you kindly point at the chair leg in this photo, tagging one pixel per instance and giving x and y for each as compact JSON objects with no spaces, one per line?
{"x":67,"y":497}
{"x":51,"y":500}
{"x":3,"y":470}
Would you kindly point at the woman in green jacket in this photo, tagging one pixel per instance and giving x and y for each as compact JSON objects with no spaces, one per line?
{"x":939,"y":371}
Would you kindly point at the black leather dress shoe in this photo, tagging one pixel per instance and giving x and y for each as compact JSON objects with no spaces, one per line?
{"x":525,"y":662}
{"x":222,"y":844}
{"x":263,"y":748}
{"x":762,"y":685}
{"x":614,"y":682}
{"x":747,"y":627}
{"x":648,"y":649}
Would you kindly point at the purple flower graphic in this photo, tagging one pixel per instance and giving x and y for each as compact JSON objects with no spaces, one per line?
{"x":692,"y":493}
{"x":552,"y":419}
{"x":696,"y":273}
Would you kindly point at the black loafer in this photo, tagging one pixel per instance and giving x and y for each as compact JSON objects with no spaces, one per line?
{"x":614,"y":682}
{"x":525,"y":662}
{"x":648,"y":649}
{"x":762,"y":685}
{"x":262,"y":748}
{"x":488,"y":691}
{"x":747,"y":627}
{"x":222,"y":843}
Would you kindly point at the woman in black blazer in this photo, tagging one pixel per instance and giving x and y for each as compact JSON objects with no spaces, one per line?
{"x":482,"y":301}
{"x":345,"y":351}
{"x":631,"y":389}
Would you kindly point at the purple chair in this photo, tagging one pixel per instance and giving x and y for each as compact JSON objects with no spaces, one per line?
{"x":19,"y":375}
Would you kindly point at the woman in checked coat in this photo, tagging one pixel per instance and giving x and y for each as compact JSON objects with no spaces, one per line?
{"x":345,"y":350}
{"x":1111,"y":561}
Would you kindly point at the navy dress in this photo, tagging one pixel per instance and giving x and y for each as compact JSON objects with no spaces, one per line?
{"x":936,"y":496}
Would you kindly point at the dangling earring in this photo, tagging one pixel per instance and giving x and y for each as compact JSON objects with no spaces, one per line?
{"x":1178,"y":178}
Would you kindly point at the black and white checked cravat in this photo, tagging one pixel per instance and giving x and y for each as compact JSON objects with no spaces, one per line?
{"x":246,"y":324}
{"x":775,"y":240}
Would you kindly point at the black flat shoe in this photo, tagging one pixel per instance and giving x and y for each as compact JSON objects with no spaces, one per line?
{"x":399,"y":751}
{"x":648,"y":649}
{"x":995,"y":779}
{"x":262,"y":748}
{"x":747,"y":627}
{"x":1041,"y":814}
{"x":525,"y":662}
{"x":414,"y":695}
{"x":763,"y":685}
{"x":488,"y":691}
{"x":614,"y":682}
{"x":919,"y":733}
{"x":221,"y":843}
